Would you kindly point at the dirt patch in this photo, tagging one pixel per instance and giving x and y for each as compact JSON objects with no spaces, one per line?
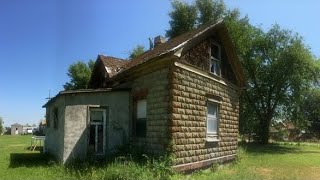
{"x":314,"y":173}
{"x":264,"y":171}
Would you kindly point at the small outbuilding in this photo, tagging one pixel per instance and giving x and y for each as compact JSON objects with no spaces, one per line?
{"x":16,"y":129}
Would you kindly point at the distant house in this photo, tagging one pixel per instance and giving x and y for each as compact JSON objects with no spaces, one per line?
{"x":27,"y":129}
{"x":16,"y":129}
{"x":42,"y":127}
{"x":181,"y":97}
{"x":285,"y":130}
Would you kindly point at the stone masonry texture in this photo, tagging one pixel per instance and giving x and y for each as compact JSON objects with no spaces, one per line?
{"x":189,"y":93}
{"x":189,"y":111}
{"x":156,"y":83}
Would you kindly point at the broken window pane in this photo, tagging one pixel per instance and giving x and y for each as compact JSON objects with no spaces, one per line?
{"x":96,"y":116}
{"x":141,"y":119}
{"x":100,"y":139}
{"x":215,"y":51}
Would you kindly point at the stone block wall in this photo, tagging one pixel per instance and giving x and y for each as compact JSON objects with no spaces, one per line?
{"x":189,"y":93}
{"x":156,"y":85}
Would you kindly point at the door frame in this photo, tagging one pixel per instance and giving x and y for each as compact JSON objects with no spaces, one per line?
{"x":104,"y":124}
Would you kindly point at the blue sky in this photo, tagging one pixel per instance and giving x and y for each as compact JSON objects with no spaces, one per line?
{"x":40,"y":39}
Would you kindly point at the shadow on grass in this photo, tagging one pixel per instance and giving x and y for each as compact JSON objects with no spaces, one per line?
{"x":29,"y":160}
{"x":269,"y":149}
{"x":38,"y":148}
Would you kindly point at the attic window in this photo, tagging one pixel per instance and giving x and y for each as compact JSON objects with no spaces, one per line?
{"x":215,"y":58}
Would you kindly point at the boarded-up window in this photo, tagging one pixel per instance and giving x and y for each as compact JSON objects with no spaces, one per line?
{"x":141,"y":118}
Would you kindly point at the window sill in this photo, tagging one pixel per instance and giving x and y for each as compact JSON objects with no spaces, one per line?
{"x":212,"y":139}
{"x":215,"y":75}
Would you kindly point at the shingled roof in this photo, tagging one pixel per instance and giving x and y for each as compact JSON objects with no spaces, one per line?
{"x":112,"y":64}
{"x":116,"y":66}
{"x":161,"y":49}
{"x":171,"y":45}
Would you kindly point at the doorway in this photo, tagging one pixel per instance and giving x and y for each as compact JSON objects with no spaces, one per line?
{"x":97,"y":132}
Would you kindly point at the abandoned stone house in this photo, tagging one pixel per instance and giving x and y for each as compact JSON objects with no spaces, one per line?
{"x":182,"y":96}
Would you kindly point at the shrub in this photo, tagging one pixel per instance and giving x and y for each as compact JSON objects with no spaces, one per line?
{"x":214,"y":167}
{"x":129,"y":162}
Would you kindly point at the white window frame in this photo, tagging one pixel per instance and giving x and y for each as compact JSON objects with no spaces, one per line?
{"x":142,"y":118}
{"x":211,"y":136}
{"x":103,"y":123}
{"x":212,"y":59}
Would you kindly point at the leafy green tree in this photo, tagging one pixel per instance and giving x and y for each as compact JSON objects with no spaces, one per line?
{"x":1,"y":126}
{"x":279,"y":67}
{"x":311,"y":111}
{"x":210,"y":11}
{"x":248,"y":122}
{"x":137,"y":51}
{"x":79,"y":74}
{"x":183,"y":18}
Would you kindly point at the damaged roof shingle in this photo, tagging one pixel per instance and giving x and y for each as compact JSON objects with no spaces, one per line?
{"x":169,"y":46}
{"x":113,"y":65}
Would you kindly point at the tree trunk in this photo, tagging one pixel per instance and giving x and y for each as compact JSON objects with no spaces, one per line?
{"x":264,"y":130}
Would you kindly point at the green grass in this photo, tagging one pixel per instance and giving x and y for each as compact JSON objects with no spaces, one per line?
{"x":272,"y":161}
{"x":18,"y":162}
{"x":275,"y":161}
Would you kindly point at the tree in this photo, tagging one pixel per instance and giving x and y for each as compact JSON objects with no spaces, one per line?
{"x":137,"y":51}
{"x":210,"y":11}
{"x":311,"y":111}
{"x":248,"y":122}
{"x":79,"y":74}
{"x":279,"y":68}
{"x":1,"y":126}
{"x":183,"y":18}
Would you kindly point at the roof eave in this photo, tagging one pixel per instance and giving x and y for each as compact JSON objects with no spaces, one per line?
{"x":236,"y":63}
{"x":79,"y":91}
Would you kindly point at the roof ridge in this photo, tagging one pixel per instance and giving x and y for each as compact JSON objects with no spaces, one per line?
{"x":205,"y":27}
{"x":104,"y":56}
{"x":171,"y":45}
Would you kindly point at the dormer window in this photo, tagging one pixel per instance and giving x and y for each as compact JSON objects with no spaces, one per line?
{"x":215,"y":58}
